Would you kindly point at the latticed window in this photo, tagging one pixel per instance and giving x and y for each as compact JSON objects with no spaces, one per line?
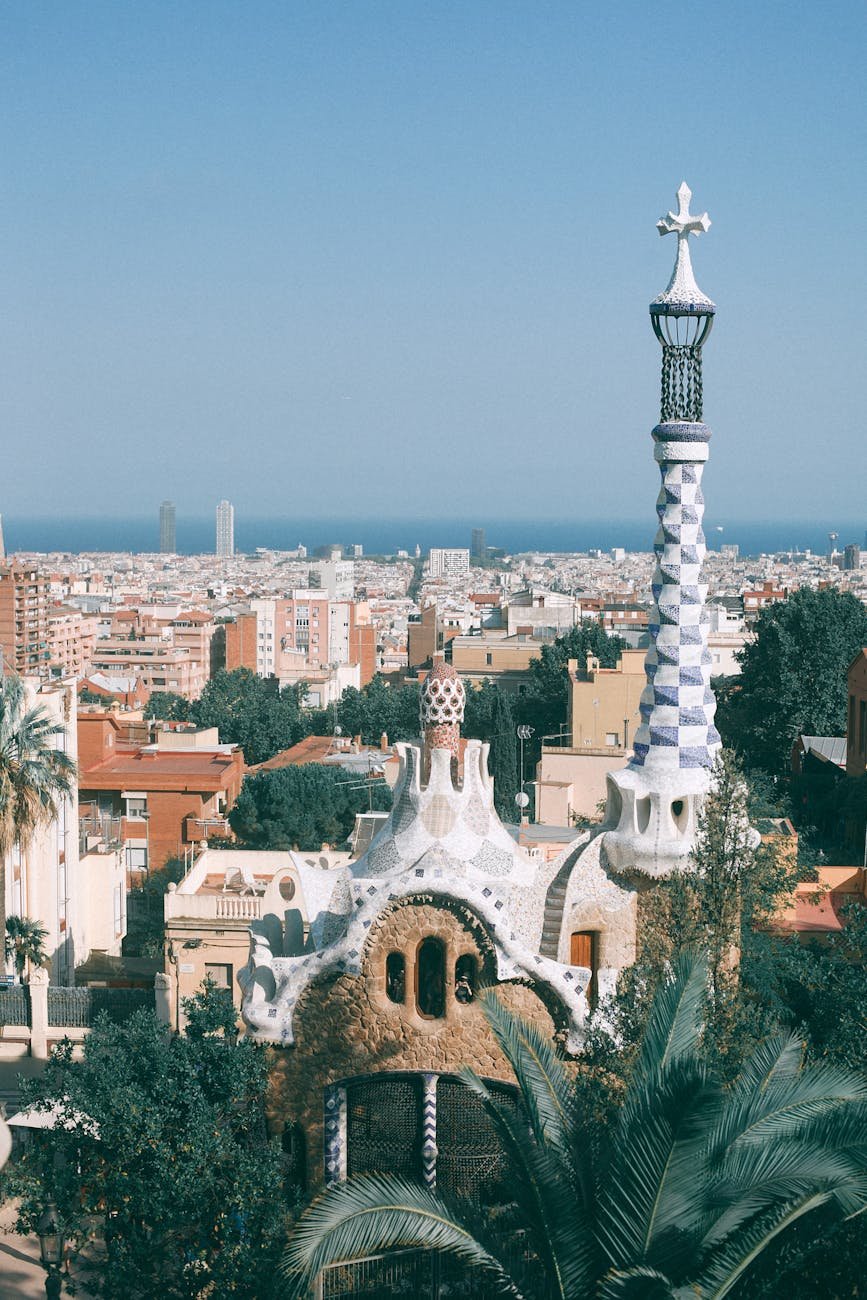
{"x":383,"y":1126}
{"x":470,"y":1160}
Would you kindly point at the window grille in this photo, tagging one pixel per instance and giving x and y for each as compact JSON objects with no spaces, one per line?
{"x":14,"y":1009}
{"x":470,"y":1160}
{"x":384,"y":1126}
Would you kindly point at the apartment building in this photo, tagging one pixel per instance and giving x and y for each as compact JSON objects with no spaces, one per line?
{"x":448,"y":562}
{"x":303,"y":635}
{"x":24,"y":631}
{"x":166,"y":653}
{"x":165,"y":795}
{"x":71,"y":639}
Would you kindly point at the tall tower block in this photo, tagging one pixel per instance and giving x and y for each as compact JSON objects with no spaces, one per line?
{"x":652,"y":803}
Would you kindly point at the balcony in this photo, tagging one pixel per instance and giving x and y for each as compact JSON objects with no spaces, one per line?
{"x":212,"y":907}
{"x":205,"y":828}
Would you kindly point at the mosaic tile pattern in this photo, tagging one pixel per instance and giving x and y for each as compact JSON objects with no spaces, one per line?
{"x":677,"y":705}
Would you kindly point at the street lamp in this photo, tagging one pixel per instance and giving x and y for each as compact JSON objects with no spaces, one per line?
{"x":50,"y":1233}
{"x":522,"y":799}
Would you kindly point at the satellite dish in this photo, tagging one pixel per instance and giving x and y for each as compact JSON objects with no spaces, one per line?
{"x":522,"y":799}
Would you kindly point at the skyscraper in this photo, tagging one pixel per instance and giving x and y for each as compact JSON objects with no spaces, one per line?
{"x":225,"y":529}
{"x":478,"y":548}
{"x":167,"y":528}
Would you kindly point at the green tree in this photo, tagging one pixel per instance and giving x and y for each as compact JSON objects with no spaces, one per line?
{"x":545,"y":705}
{"x":25,"y":942}
{"x":379,"y":708}
{"x":161,"y":1144}
{"x":488,"y":716}
{"x":303,"y":806}
{"x":35,"y":775}
{"x":252,"y":712}
{"x":168,"y":706}
{"x":677,"y":1197}
{"x":793,"y":676}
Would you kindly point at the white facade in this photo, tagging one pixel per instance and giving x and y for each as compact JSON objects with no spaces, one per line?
{"x":225,"y":530}
{"x":336,"y":578}
{"x":445,"y":562}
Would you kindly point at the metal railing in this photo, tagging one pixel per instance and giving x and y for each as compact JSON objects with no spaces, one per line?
{"x":14,"y":1006}
{"x":73,"y":1008}
{"x":419,"y":1275}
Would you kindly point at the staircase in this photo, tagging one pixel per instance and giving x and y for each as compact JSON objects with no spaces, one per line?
{"x":552,"y":922}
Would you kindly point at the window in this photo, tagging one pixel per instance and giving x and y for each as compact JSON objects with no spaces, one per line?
{"x":294,"y":1147}
{"x":287,"y":888}
{"x":430,"y":975}
{"x":395,"y":977}
{"x":465,"y":978}
{"x":612,"y":738}
{"x":136,"y":806}
{"x":136,"y":859}
{"x":489,"y":659}
{"x":220,"y":974}
{"x":383,"y":1126}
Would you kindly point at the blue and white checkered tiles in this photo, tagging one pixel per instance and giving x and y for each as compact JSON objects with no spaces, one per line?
{"x":677,"y":705}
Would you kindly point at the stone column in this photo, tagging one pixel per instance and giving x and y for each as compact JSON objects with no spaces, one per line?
{"x":38,"y":990}
{"x":429,"y":1130}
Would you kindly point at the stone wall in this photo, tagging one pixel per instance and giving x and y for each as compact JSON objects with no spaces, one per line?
{"x":345,"y":1026}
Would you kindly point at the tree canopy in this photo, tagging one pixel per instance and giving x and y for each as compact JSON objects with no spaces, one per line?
{"x":162,"y":1145}
{"x":379,"y":708}
{"x":252,"y":712}
{"x":303,"y":806}
{"x":793,"y":676}
{"x":488,"y":716}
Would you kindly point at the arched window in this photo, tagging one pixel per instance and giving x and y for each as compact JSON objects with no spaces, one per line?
{"x":395,"y":977}
{"x":466,"y":978}
{"x":430,"y":976}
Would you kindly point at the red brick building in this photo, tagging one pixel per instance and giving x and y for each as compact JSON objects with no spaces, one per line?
{"x":169,"y":794}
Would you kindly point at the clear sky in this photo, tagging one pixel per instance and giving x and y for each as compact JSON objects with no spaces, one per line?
{"x":375,"y":257}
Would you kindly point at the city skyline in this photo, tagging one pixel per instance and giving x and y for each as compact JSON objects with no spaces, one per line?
{"x":334,"y":234}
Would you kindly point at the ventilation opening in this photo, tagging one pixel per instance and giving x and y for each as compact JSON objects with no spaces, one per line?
{"x":466,"y":978}
{"x":614,"y":805}
{"x":430,"y":974}
{"x":395,"y":977}
{"x":642,"y":812}
{"x":680,"y":814}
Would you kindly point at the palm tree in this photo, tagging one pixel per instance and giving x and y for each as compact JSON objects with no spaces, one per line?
{"x":34,"y":775}
{"x":674,"y":1200}
{"x":25,"y":942}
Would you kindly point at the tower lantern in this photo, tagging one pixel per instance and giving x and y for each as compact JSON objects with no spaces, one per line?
{"x":652,"y":803}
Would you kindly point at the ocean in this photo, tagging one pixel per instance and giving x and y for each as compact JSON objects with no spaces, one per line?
{"x":384,"y":536}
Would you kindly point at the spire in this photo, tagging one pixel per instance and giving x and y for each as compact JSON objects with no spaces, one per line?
{"x":652,"y":804}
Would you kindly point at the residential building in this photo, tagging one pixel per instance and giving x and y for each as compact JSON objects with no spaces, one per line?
{"x":209,"y":913}
{"x":71,"y":639}
{"x":169,"y":794}
{"x":448,"y":562}
{"x":43,"y":880}
{"x":856,"y":728}
{"x":164,"y":650}
{"x":225,"y":530}
{"x":24,"y":631}
{"x":491,"y":655}
{"x":603,"y":717}
{"x":168,"y":540}
{"x":535,"y":609}
{"x":302,"y":635}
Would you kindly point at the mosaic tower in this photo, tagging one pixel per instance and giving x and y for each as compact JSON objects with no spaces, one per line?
{"x":652,"y":803}
{"x":441,"y":709}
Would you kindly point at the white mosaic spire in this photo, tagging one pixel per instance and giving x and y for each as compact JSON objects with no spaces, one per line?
{"x":652,"y":804}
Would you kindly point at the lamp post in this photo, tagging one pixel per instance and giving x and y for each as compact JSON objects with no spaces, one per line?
{"x":50,"y":1233}
{"x":522,"y":799}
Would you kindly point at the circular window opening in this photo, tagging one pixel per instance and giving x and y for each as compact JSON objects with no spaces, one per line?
{"x":287,"y":888}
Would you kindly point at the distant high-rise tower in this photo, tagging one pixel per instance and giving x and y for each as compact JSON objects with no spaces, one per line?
{"x":2,"y":541}
{"x":478,"y":548}
{"x":167,"y":528}
{"x":225,"y":529}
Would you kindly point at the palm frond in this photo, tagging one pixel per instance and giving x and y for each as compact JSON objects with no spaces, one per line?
{"x":728,"y":1265}
{"x":545,"y":1190}
{"x":676,"y":1017}
{"x":655,"y":1181}
{"x":546,"y":1088}
{"x":775,"y":1059}
{"x":376,"y":1213}
{"x":639,"y":1283}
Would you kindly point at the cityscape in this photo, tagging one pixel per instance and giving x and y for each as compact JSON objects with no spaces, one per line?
{"x":474,"y":903}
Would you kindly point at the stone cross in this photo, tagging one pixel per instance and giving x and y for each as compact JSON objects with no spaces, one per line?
{"x":682,"y":286}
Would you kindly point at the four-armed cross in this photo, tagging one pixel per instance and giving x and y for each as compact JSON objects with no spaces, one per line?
{"x":682,"y":286}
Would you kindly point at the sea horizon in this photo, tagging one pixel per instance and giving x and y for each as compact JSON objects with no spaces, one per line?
{"x":384,"y":536}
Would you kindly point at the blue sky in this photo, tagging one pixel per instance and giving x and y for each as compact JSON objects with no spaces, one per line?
{"x":395,"y":258}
